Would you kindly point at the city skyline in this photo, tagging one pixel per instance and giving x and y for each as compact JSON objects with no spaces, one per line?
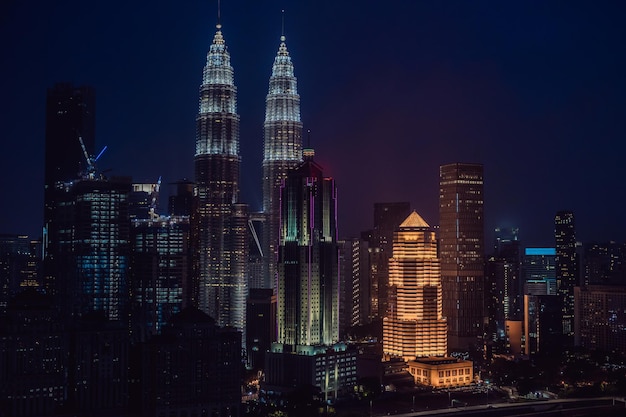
{"x":438,"y":83}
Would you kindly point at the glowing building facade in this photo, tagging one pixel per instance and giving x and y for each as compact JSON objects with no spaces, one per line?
{"x":414,"y":326}
{"x":282,"y":149}
{"x":461,"y":246}
{"x":307,"y":288}
{"x":221,"y":286}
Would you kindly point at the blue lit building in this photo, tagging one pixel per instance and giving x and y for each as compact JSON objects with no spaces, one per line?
{"x":160,"y":271}
{"x":539,"y":264}
{"x":93,"y":242}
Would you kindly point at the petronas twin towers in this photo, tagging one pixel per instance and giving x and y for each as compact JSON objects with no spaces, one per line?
{"x":220,"y":220}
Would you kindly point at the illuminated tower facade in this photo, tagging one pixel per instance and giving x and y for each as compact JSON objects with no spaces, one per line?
{"x":221,"y":289}
{"x":414,"y":325}
{"x":282,"y":149}
{"x":307,"y":286}
{"x":461,"y":248}
{"x":566,"y":268}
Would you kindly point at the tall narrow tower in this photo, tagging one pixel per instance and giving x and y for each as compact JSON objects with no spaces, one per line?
{"x":307,"y":287}
{"x":70,"y":114}
{"x":282,"y":149}
{"x":220,"y":290}
{"x":461,"y":251}
{"x":566,"y":270}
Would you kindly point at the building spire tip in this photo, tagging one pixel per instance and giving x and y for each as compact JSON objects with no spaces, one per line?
{"x":282,"y":27}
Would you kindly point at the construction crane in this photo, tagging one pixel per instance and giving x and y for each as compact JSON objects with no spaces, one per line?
{"x":91,"y":161}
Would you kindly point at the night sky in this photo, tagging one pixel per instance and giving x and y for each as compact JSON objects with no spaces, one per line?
{"x":536,"y":91}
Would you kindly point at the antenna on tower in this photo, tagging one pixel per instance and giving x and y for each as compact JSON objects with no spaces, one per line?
{"x":308,"y":152}
{"x":219,"y":15}
{"x":282,"y":27}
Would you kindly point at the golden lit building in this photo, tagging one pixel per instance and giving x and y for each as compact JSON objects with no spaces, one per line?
{"x":414,"y":325}
{"x":441,"y":372}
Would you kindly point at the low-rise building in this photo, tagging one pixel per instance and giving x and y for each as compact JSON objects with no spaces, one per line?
{"x":441,"y":372}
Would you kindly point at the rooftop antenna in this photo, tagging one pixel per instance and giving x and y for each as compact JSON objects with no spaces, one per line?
{"x":308,"y":152}
{"x":219,"y":16}
{"x":282,"y":28}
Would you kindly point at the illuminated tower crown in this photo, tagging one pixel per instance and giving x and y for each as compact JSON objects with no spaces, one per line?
{"x":221,"y":284}
{"x":282,"y":150}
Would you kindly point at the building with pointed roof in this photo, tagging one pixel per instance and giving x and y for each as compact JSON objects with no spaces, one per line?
{"x":220,"y":267}
{"x":282,"y":148}
{"x":414,"y":326}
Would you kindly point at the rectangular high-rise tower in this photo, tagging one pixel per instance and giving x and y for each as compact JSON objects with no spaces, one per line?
{"x":307,"y":290}
{"x":566,"y":268}
{"x":461,"y":245}
{"x":70,"y":115}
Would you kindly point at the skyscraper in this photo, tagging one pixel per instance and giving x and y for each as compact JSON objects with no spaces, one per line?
{"x":566,"y":270}
{"x":160,"y":269}
{"x":70,"y":114}
{"x":282,"y":149}
{"x":414,"y":325}
{"x":504,"y":297}
{"x":307,"y":290}
{"x":93,"y":243}
{"x":221,"y":292}
{"x":461,"y":251}
{"x":387,"y":218}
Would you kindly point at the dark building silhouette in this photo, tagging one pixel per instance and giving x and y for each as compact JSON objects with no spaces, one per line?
{"x":193,"y":368}
{"x":160,"y":272}
{"x":604,"y":263}
{"x":182,"y":203}
{"x":461,"y":248}
{"x":542,"y":324}
{"x":600,"y":317}
{"x":98,"y":366}
{"x":70,"y":115}
{"x":34,"y":355}
{"x":20,"y":266}
{"x":387,"y":218}
{"x":566,"y":268}
{"x":261,"y":325}
{"x":504,"y":282}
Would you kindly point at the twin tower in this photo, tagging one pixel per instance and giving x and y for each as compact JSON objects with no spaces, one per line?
{"x":221,"y":223}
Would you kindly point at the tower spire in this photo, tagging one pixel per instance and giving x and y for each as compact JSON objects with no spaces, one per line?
{"x":282,"y":27}
{"x":219,"y":15}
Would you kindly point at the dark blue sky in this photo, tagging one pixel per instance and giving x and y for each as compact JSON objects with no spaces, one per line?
{"x":536,"y":91}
